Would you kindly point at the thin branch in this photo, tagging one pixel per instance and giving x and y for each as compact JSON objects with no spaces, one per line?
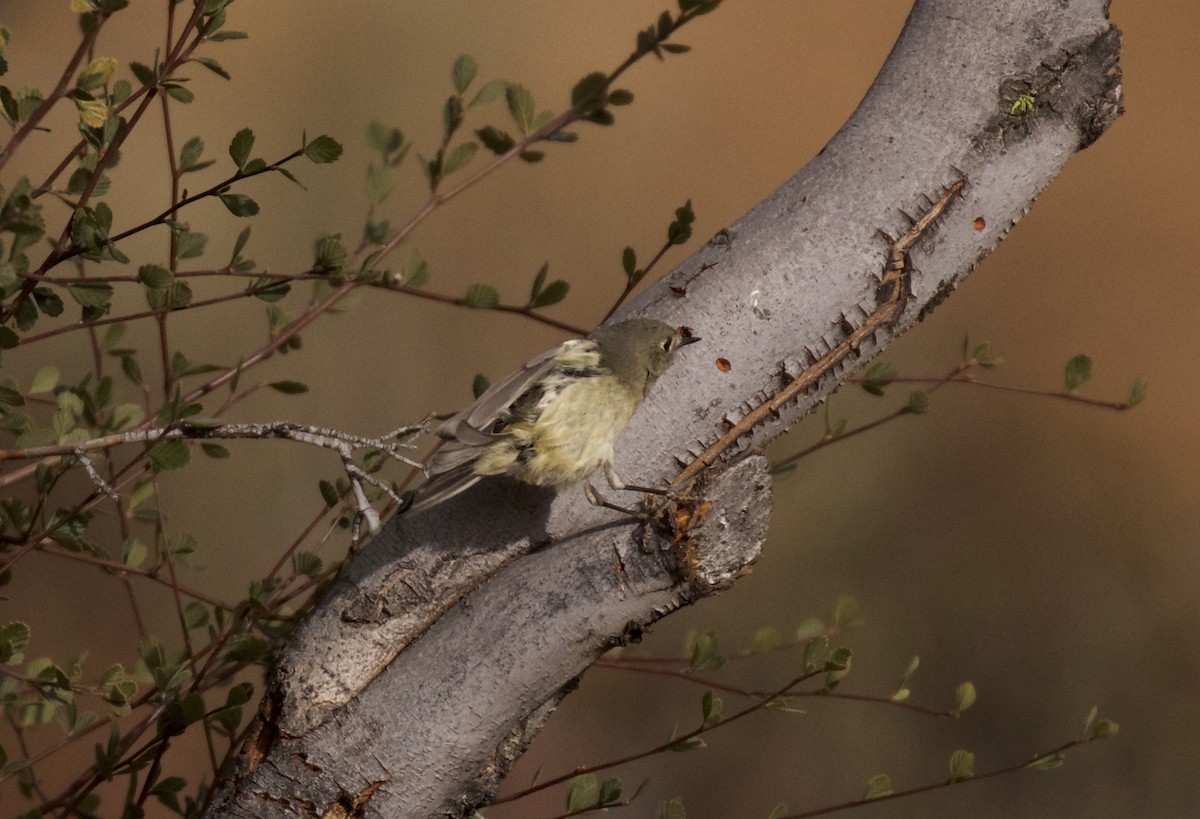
{"x":86,"y":325}
{"x":169,"y":65}
{"x":124,"y":569}
{"x":900,"y":412}
{"x":631,"y":283}
{"x":855,"y":803}
{"x":564,"y":119}
{"x":617,"y":665}
{"x":521,"y":310}
{"x":310,"y":314}
{"x":315,"y":436}
{"x":60,"y":89}
{"x":674,"y":742}
{"x":61,"y":281}
{"x":969,"y":380}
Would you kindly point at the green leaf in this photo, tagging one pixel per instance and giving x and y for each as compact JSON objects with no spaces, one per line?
{"x":91,"y":294}
{"x":705,"y":654}
{"x":847,"y":612}
{"x":1104,"y":728}
{"x":144,"y":73}
{"x":213,"y":66}
{"x":681,"y":229}
{"x":964,"y":697}
{"x":190,"y":156}
{"x":240,"y":147}
{"x":416,"y":272}
{"x":133,"y":552}
{"x":553,"y":293}
{"x":610,"y":791}
{"x":452,"y":116}
{"x":179,"y":93}
{"x":380,"y":183}
{"x":168,"y":455}
{"x":459,"y":157}
{"x":14,"y":637}
{"x":589,"y":91}
{"x":1049,"y":762}
{"x":189,"y":244}
{"x":918,"y":402}
{"x":1078,"y":372}
{"x":155,"y":277}
{"x":170,"y":298}
{"x":131,"y":368}
{"x":328,"y":493}
{"x":962,"y":765}
{"x":288,"y":387}
{"x":307,"y":564}
{"x":837,"y":666}
{"x":687,"y":744}
{"x":766,"y":639}
{"x":671,"y":810}
{"x":539,"y":281}
{"x":495,"y":140}
{"x":629,"y":262}
{"x":384,"y":139}
{"x":490,"y":91}
{"x":240,"y":244}
{"x":583,"y":793}
{"x":239,"y":694}
{"x":1137,"y":393}
{"x":479,"y":384}
{"x":44,"y":380}
{"x":877,"y":786}
{"x":126,"y":416}
{"x":215,"y":451}
{"x":121,"y":91}
{"x":710,"y":708}
{"x":329,"y":254}
{"x":323,"y":150}
{"x":984,"y":357}
{"x":465,"y":69}
{"x":96,"y":73}
{"x":239,"y":204}
{"x":520,"y":106}
{"x":481,"y":297}
{"x":878,"y":376}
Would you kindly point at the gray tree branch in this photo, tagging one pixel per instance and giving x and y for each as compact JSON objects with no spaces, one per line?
{"x":425,"y":671}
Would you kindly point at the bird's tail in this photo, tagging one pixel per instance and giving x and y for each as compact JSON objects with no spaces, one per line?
{"x":451,"y":472}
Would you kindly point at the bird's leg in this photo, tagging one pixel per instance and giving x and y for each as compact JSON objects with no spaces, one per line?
{"x":614,"y":480}
{"x":596,"y":499}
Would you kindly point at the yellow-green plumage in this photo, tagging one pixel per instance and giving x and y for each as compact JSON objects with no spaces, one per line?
{"x":556,"y":421}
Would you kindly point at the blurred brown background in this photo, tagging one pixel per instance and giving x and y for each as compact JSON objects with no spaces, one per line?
{"x":1045,"y":551}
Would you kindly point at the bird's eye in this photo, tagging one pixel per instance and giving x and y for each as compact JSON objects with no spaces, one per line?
{"x":666,"y":345}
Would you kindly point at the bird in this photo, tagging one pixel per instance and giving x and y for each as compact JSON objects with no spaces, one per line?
{"x":555,"y":421}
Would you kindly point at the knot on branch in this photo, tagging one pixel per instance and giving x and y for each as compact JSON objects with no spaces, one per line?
{"x":716,"y":530}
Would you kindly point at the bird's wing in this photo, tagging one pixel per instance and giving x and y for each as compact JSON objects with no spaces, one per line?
{"x":469,"y":426}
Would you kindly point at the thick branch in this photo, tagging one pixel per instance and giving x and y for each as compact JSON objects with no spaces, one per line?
{"x":416,"y":683}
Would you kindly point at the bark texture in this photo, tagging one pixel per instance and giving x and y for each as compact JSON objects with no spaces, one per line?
{"x":423,"y":674}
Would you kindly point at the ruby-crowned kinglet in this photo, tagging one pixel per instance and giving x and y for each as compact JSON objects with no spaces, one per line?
{"x":555,"y":421}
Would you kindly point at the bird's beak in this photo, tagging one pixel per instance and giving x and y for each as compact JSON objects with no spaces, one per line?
{"x":686,"y":336}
